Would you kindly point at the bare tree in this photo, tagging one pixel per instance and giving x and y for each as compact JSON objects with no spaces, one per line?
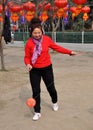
{"x":1,"y":30}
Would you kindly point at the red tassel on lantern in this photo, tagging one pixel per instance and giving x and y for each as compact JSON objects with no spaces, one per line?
{"x":43,"y":16}
{"x":1,"y":19}
{"x":29,"y":15}
{"x":14,"y":17}
{"x":85,"y":17}
{"x":60,"y":12}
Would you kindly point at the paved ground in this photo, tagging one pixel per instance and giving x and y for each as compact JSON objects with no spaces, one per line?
{"x":74,"y":84}
{"x":75,"y":46}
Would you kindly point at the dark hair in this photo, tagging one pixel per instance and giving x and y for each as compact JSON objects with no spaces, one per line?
{"x":34,"y":23}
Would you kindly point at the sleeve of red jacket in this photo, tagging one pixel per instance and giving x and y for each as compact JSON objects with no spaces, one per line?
{"x":59,"y":48}
{"x":27,"y":57}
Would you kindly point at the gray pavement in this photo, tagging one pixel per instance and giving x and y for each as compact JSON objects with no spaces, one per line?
{"x":74,"y":46}
{"x":74,"y":83}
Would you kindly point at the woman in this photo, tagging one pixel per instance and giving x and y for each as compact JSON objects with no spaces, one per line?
{"x":39,"y":65}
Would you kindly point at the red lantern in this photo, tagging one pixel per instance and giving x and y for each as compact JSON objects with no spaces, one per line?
{"x":10,"y":4}
{"x":86,"y":9}
{"x":47,"y":6}
{"x":65,"y":8}
{"x":1,"y":8}
{"x":73,"y":9}
{"x":61,"y":3}
{"x":15,"y":8}
{"x":54,"y":9}
{"x":79,"y":2}
{"x":76,"y":10}
{"x":29,"y":6}
{"x":40,"y":6}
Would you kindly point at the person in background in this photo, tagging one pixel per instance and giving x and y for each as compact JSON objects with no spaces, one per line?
{"x":7,"y":30}
{"x":39,"y":64}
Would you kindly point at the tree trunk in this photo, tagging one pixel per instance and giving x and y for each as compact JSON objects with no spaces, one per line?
{"x":1,"y":48}
{"x":1,"y":45}
{"x":92,"y":25}
{"x":2,"y":55}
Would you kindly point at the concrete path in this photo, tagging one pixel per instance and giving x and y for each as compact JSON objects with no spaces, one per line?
{"x":73,"y":46}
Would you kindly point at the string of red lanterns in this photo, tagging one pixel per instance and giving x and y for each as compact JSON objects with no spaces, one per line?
{"x":80,"y":8}
{"x":28,"y":10}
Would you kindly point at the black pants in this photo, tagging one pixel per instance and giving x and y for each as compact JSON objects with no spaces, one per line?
{"x":35,"y":78}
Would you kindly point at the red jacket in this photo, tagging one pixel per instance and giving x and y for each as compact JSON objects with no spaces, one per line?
{"x":44,"y":59}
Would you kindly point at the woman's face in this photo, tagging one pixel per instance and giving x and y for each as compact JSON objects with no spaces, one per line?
{"x":37,"y":33}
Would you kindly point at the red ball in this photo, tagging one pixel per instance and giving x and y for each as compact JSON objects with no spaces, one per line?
{"x":31,"y":102}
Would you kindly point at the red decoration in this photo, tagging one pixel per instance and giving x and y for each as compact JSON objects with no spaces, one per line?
{"x":15,"y":27}
{"x":60,"y":12}
{"x":85,"y":17}
{"x":80,"y":1}
{"x":1,"y":8}
{"x":29,"y":15}
{"x":86,"y":9}
{"x":22,"y":13}
{"x":65,"y":15}
{"x":47,"y":6}
{"x":65,"y":8}
{"x":61,"y":3}
{"x":14,"y":17}
{"x":29,"y":6}
{"x":15,"y":8}
{"x":40,"y":6}
{"x":73,"y":9}
{"x":10,"y":4}
{"x":43,"y":16}
{"x":1,"y":18}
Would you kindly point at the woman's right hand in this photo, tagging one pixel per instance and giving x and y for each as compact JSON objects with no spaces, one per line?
{"x":29,"y":67}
